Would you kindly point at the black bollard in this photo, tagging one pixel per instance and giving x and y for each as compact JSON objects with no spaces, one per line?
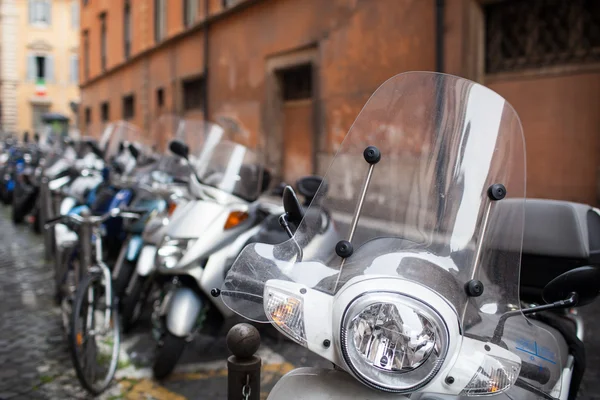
{"x":243,"y":367}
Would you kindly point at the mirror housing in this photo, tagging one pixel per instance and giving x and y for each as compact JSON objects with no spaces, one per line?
{"x":584,"y":281}
{"x":179,"y":148}
{"x":292,"y":206}
{"x":134,"y":151}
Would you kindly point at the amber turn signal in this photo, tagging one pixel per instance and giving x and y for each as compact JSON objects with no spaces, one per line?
{"x":235,"y":218}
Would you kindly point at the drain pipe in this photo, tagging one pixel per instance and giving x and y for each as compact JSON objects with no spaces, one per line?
{"x":439,"y":35}
{"x":205,"y":67}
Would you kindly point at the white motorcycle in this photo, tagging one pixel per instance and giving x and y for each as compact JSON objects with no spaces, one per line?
{"x":421,"y":298}
{"x":202,"y":239}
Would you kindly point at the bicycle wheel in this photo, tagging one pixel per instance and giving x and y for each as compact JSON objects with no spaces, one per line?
{"x":94,"y":337}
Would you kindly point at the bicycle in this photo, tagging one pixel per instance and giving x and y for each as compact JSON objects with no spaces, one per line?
{"x":94,"y":300}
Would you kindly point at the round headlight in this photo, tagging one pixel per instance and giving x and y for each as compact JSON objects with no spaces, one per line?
{"x":393,"y":342}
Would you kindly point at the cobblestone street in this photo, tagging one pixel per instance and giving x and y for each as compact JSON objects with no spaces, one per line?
{"x":36,"y":363}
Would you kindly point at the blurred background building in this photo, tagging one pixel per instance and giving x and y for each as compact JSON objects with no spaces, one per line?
{"x":295,"y":73}
{"x":39,"y":51}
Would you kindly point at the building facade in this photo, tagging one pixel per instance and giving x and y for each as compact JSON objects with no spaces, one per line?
{"x":293,"y":74}
{"x":39,"y":51}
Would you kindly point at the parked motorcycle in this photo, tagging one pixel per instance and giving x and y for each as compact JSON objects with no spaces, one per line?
{"x":420,"y":299}
{"x":163,"y":187}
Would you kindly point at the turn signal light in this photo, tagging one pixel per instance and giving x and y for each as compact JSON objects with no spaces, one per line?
{"x":235,"y":218}
{"x":172,"y":208}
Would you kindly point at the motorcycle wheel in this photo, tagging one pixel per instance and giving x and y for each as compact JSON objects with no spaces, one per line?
{"x":37,"y":224}
{"x":6,"y":195}
{"x":167,"y":355}
{"x":122,"y":280}
{"x":18,"y":209}
{"x":133,"y":303}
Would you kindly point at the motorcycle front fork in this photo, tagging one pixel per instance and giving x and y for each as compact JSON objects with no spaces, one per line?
{"x":160,"y":307}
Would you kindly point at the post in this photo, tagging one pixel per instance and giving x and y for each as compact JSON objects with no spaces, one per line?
{"x":243,"y":367}
{"x":45,"y":204}
{"x":85,"y":249}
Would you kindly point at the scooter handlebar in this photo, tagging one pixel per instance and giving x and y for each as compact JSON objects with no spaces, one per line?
{"x":535,"y":372}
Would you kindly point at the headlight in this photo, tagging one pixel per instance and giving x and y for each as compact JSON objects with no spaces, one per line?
{"x":393,"y":342}
{"x":171,"y":251}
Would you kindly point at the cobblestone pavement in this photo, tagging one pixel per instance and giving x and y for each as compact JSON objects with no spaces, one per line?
{"x":35,"y":362}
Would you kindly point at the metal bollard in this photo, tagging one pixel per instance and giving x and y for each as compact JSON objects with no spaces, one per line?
{"x":45,"y":206}
{"x":243,"y":367}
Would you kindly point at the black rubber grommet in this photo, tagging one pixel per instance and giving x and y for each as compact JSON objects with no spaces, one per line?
{"x":214,"y":292}
{"x":474,"y":288}
{"x":344,"y":249}
{"x":372,"y":155}
{"x":497,"y":191}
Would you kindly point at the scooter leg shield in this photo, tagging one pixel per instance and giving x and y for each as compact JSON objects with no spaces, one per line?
{"x":324,"y":384}
{"x":183,"y":312}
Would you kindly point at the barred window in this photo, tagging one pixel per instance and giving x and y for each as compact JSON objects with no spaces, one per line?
{"x":539,"y":33}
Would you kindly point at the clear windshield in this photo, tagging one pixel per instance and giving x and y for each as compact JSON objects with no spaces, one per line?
{"x":235,"y":169}
{"x":165,"y":129}
{"x":119,"y":134}
{"x":422,"y":213}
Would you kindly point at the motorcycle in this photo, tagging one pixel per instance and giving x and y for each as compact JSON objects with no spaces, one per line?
{"x":421,"y":298}
{"x":163,"y":189}
{"x":95,"y":192}
{"x":227,"y":180}
{"x":50,"y":156}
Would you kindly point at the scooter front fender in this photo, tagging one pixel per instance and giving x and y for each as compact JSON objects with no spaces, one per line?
{"x":184,"y":307}
{"x":324,"y":384}
{"x":145,"y":264}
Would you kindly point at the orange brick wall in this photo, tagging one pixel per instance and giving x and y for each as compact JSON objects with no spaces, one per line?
{"x":562,"y":132}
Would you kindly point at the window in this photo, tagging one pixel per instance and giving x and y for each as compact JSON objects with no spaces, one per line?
{"x":296,"y":82}
{"x":160,"y":97}
{"x":193,"y":94}
{"x":75,"y":14}
{"x":74,"y":69}
{"x":190,"y":10}
{"x":128,"y":106}
{"x":88,"y":116}
{"x":40,"y":68}
{"x":86,"y":55}
{"x":104,"y":112}
{"x":40,"y":12}
{"x":103,"y":41}
{"x":159,"y":19}
{"x":533,"y":34}
{"x":127,"y":30}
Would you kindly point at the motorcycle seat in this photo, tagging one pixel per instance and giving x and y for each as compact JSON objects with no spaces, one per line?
{"x":558,"y":236}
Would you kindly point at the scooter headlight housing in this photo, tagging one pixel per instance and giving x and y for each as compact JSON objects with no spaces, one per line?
{"x":172,"y":251}
{"x":393,"y":342}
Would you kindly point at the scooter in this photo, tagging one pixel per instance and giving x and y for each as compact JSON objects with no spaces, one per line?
{"x":201,"y":240}
{"x":420,"y":299}
{"x":167,"y":183}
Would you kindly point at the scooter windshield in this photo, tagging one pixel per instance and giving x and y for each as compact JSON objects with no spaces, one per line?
{"x":235,"y":169}
{"x":427,"y":186}
{"x":117,"y":136}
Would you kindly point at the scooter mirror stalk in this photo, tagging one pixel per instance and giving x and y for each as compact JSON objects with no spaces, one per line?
{"x":182,"y":150}
{"x":179,"y":148}
{"x":292,"y":207}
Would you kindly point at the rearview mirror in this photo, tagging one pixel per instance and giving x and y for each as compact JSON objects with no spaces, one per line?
{"x":585,"y":281}
{"x":134,"y":151}
{"x":179,"y":148}
{"x":292,"y":206}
